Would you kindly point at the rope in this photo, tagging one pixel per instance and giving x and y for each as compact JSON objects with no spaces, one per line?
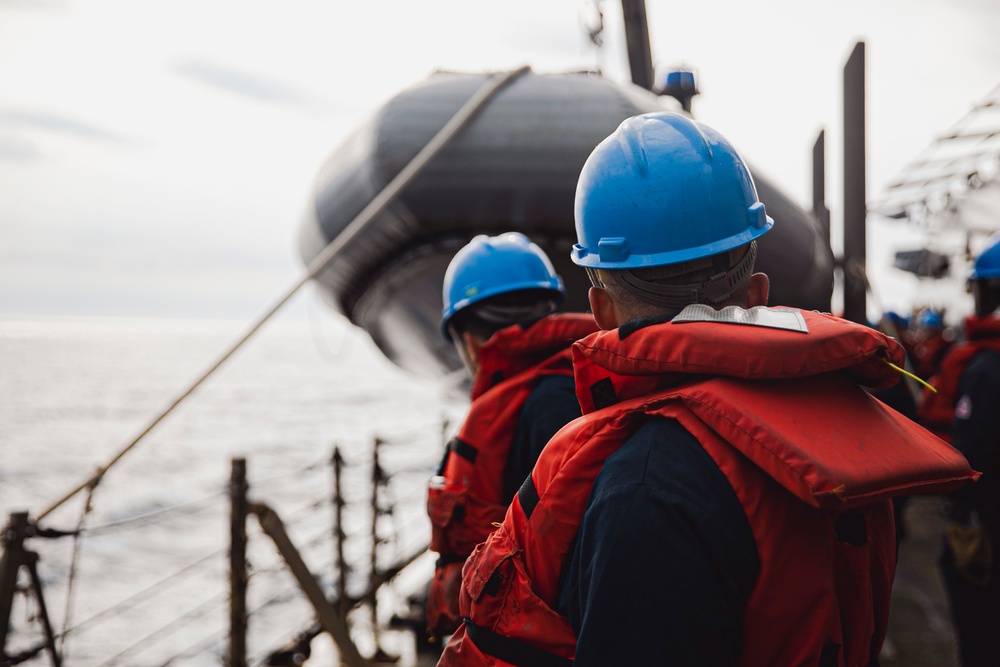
{"x":910,"y":375}
{"x":451,"y":129}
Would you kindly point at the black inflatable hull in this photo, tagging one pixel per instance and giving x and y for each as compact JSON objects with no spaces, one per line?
{"x":514,"y":168}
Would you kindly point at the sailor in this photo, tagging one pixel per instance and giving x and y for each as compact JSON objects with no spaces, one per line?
{"x":725,"y":498}
{"x":499,"y":296}
{"x":930,"y":342}
{"x":966,"y":410}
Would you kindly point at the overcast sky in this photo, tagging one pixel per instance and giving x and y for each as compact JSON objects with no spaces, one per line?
{"x":156,"y":156}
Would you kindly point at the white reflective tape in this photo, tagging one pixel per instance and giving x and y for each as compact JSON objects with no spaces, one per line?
{"x":789,"y":319}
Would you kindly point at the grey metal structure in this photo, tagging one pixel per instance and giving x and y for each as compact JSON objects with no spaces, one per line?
{"x":855,"y":248}
{"x":513,"y":168}
{"x":953,"y":179}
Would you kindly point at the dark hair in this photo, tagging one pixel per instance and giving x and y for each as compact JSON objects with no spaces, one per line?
{"x":986,"y":293}
{"x":486,"y":317}
{"x":658,"y":291}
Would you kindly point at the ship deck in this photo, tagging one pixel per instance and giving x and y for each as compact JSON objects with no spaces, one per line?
{"x":920,"y":632}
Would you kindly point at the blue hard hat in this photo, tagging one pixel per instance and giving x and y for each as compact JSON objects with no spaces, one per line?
{"x":897,"y":319}
{"x":930,"y":318}
{"x":664,"y":189}
{"x":987,"y":264}
{"x":493,"y":265}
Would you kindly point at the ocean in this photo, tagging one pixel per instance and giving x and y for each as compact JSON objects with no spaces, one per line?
{"x":150,"y":584}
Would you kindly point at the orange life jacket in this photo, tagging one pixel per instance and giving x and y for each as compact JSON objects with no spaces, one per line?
{"x":802,"y":446}
{"x":937,"y":410}
{"x":467,"y":500}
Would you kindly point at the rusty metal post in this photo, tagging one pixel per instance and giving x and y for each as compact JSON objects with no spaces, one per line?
{"x":238,"y":564}
{"x":31,"y":562}
{"x":14,"y":557}
{"x":12,"y":542}
{"x":328,"y":617}
{"x":343,"y":604}
{"x":376,"y":483}
{"x":855,"y":210}
{"x":820,"y":211}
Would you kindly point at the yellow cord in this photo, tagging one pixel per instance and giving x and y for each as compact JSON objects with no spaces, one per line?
{"x":910,"y":375}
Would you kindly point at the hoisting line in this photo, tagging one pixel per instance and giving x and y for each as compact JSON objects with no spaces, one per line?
{"x":451,"y":129}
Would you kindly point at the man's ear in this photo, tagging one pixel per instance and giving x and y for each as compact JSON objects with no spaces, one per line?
{"x":760,"y":285}
{"x":604,"y":309}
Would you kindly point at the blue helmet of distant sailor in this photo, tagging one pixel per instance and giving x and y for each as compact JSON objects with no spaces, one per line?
{"x":492,"y":266}
{"x":664,"y":189}
{"x":930,"y":318}
{"x":987,"y":264}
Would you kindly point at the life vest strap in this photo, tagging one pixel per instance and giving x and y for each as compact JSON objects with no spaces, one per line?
{"x":464,"y":449}
{"x":527,"y":496}
{"x":447,"y":559}
{"x":510,"y":650}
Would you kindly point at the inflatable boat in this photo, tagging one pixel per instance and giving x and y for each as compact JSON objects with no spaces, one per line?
{"x":513,"y":167}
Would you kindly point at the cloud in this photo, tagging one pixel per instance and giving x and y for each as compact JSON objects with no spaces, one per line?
{"x":246,"y":84}
{"x":34,"y":5}
{"x":50,"y":122}
{"x":15,"y":149}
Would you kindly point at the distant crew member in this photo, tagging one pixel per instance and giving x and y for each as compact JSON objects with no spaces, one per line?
{"x":930,"y":342}
{"x":725,"y":499}
{"x":966,"y":410}
{"x":499,"y":296}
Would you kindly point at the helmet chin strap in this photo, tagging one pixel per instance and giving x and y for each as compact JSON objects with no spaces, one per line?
{"x":716,"y":289}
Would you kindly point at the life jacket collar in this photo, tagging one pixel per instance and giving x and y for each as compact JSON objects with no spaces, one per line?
{"x":663,"y":355}
{"x":522,"y":346}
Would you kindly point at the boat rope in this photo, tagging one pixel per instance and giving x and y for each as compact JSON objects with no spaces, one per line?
{"x":455,"y":125}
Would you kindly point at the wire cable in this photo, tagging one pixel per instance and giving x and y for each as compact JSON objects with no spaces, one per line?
{"x":138,"y":597}
{"x":197,"y":648}
{"x":88,"y":507}
{"x":180,"y":620}
{"x":312,"y":466}
{"x":148,"y":517}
